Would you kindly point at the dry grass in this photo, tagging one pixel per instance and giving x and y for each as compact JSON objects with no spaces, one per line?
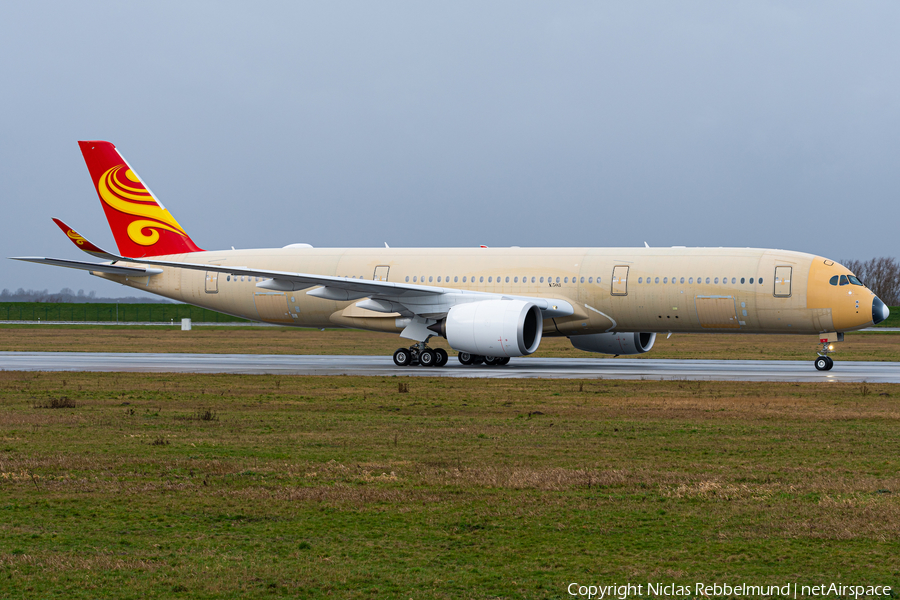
{"x":282,"y":340}
{"x":350,"y":487}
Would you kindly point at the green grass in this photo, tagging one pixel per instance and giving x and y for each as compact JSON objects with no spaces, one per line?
{"x":344,"y":487}
{"x":150,"y":312}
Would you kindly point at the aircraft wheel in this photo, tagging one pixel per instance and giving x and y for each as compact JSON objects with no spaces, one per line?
{"x":830,"y":363}
{"x":442,"y":357}
{"x":402,"y":357}
{"x":823,"y":363}
{"x":477,"y":360}
{"x":427,"y":358}
{"x":503,"y":361}
{"x":491,"y":360}
{"x":464,"y":358}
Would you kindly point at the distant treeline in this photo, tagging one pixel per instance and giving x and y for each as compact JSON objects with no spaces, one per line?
{"x":67,"y":295}
{"x":110,"y":312}
{"x":881,"y":275}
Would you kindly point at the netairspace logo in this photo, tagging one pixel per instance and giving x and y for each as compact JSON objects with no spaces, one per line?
{"x":791,"y":590}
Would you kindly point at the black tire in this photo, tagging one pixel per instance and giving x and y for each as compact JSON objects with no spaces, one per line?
{"x":402,"y":357}
{"x":822,"y":363}
{"x":502,"y":362}
{"x":491,"y":360}
{"x":830,"y":363}
{"x":427,"y":358}
{"x":442,"y":357}
{"x":464,"y":358}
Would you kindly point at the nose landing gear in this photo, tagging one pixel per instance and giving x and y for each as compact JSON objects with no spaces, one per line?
{"x":824,"y":362}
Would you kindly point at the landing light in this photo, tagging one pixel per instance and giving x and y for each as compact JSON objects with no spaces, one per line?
{"x":830,"y":347}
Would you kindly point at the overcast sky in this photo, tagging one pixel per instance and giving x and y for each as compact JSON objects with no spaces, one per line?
{"x":456,"y":124}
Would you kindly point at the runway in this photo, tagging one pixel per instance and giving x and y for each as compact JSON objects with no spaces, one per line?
{"x":383,"y":366}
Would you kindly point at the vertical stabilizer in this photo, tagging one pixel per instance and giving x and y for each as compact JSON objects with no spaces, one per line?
{"x":140,"y":223}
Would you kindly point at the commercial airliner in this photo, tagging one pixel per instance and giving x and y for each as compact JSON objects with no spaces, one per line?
{"x":491,"y":304}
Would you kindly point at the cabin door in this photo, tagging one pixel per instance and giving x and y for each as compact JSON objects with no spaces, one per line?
{"x":212,"y":282}
{"x":620,"y":281}
{"x":381,"y":273}
{"x":782,"y":282}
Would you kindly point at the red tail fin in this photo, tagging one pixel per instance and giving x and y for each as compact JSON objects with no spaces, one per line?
{"x":139,"y":222}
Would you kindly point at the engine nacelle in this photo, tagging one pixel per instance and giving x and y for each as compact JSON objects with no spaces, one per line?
{"x":615,"y":343}
{"x":494,"y":327}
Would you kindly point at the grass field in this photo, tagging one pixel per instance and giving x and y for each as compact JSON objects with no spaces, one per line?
{"x":148,"y":486}
{"x":879,"y":346}
{"x":155,"y":312}
{"x":158,"y":312}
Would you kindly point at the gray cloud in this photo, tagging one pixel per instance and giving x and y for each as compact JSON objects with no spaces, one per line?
{"x":560,"y":124}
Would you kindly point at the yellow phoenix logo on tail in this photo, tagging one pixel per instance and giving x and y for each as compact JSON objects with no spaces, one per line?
{"x":77,"y":238}
{"x":138,"y":202}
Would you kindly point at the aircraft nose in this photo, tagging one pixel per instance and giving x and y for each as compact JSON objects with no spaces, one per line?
{"x":880,"y":312}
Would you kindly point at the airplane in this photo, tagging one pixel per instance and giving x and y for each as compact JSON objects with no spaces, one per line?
{"x":491,"y":304}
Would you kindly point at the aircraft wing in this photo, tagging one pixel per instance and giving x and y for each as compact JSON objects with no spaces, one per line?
{"x":388,"y":296}
{"x":87,"y":266}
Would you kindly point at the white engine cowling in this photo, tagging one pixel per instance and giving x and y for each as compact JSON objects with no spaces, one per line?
{"x":615,"y":343}
{"x":495,"y":327}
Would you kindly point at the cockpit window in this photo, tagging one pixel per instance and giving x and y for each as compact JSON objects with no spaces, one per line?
{"x":844,"y":280}
{"x":854,"y":280}
{"x":833,"y":280}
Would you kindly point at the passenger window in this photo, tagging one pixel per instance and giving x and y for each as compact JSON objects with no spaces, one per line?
{"x":733,"y":280}
{"x":542,"y":280}
{"x":407,"y":278}
{"x":430,"y":278}
{"x":582,"y":280}
{"x":640,"y":280}
{"x":590,"y":280}
{"x":751,"y":280}
{"x":532,"y":280}
{"x":690,"y":280}
{"x":439,"y":278}
{"x":507,"y":279}
{"x":854,"y":280}
{"x":742,"y":280}
{"x":481,"y":279}
{"x":455,"y":278}
{"x":566,"y":280}
{"x":515,"y":280}
{"x":657,"y":280}
{"x":716,"y":280}
{"x":844,"y":280}
{"x":707,"y":280}
{"x":598,"y":281}
{"x":490,"y":280}
{"x":557,"y":280}
{"x":759,"y":281}
{"x":682,"y":280}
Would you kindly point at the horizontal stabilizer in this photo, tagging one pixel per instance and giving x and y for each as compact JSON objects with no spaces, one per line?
{"x":82,"y":242}
{"x":86,"y":266}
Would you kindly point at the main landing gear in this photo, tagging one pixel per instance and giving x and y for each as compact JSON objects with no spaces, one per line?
{"x":823,"y":361}
{"x":474,"y":359}
{"x":421,"y":355}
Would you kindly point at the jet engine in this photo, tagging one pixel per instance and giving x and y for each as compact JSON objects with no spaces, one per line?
{"x":615,"y":343}
{"x":499,"y":328}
